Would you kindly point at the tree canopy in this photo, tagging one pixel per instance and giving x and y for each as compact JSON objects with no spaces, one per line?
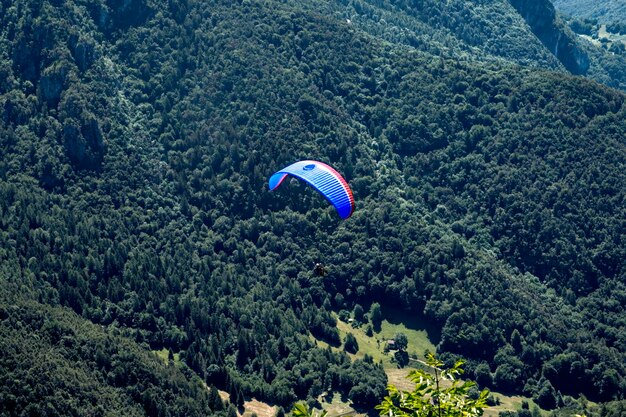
{"x":137,"y":139}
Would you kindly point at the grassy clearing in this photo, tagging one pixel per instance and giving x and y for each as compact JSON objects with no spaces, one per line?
{"x":398,"y":378}
{"x":416,"y":330}
{"x":417,"y":333}
{"x":337,"y":406}
{"x":603,"y":34}
{"x":613,"y":37}
{"x":163,"y":354}
{"x":394,"y":322}
{"x":509,"y":403}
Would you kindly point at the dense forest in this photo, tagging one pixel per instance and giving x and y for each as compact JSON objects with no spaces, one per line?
{"x":606,"y":11}
{"x":137,"y":138}
{"x":529,"y":33}
{"x":55,"y":363}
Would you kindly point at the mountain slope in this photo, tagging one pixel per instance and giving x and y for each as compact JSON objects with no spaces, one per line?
{"x":541,"y":17}
{"x":56,"y":363}
{"x":529,"y":33}
{"x":490,"y":30}
{"x":607,"y":11}
{"x":133,"y":190}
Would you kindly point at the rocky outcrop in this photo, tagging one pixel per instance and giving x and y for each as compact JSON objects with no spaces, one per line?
{"x":52,"y":82}
{"x":84,"y":143}
{"x":541,"y":17}
{"x":26,"y":57}
{"x":83,"y":51}
{"x":119,"y":15}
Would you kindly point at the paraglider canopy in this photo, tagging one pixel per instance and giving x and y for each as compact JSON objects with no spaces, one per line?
{"x":324,"y":179}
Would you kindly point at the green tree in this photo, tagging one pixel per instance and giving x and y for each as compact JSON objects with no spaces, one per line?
{"x":376,"y":316}
{"x":516,"y":341}
{"x":401,"y":341}
{"x":483,"y":374}
{"x":350,"y":344}
{"x":430,"y":398}
{"x":359,"y":313}
{"x":546,"y":395}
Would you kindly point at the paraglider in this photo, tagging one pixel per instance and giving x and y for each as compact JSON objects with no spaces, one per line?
{"x":324,"y":178}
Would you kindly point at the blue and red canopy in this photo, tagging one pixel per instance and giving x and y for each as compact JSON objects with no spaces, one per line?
{"x":324,"y":179}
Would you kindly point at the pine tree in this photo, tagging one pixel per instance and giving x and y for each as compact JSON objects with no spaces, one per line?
{"x":350,"y":344}
{"x":376,"y":316}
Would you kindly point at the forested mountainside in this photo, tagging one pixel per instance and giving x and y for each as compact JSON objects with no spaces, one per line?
{"x":465,"y":30}
{"x":605,"y":11}
{"x":137,"y":140}
{"x":56,"y":363}
{"x":530,"y":33}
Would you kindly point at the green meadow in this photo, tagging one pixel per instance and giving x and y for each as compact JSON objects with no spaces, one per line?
{"x":394,"y":322}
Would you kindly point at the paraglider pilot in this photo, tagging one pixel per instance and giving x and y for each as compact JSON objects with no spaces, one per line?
{"x":320,"y":269}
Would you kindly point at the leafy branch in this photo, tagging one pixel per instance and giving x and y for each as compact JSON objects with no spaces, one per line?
{"x":430,"y":399}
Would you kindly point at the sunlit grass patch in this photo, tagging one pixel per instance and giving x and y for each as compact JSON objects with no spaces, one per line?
{"x":163,"y":354}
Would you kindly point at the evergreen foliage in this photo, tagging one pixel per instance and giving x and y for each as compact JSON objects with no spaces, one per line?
{"x":376,"y":316}
{"x":607,"y":12}
{"x":350,"y":344}
{"x":136,"y":141}
{"x":56,"y":363}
